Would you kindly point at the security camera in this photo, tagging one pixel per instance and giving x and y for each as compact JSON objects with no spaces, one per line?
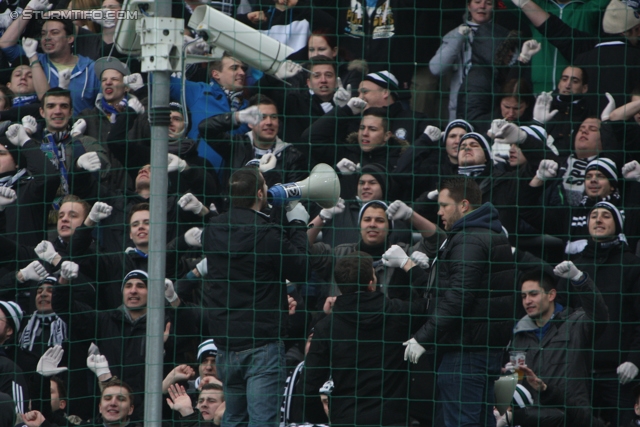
{"x":241,"y":41}
{"x":127,"y":40}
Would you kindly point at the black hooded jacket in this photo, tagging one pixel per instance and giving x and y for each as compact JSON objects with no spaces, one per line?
{"x":474,"y":285}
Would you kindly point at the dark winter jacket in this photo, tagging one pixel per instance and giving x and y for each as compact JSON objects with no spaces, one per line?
{"x":616,"y":273}
{"x":249,"y":258}
{"x":360,"y":346}
{"x":474,"y":286}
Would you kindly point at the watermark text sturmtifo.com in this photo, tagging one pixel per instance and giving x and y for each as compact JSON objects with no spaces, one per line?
{"x":77,"y":15}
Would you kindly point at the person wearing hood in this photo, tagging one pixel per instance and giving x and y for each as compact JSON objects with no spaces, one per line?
{"x":471,"y":317}
{"x":433,"y":154}
{"x":280,"y":161}
{"x":615,"y":270}
{"x":58,"y":61}
{"x":120,"y":334}
{"x":249,"y":260}
{"x":375,"y":226}
{"x":473,"y":43}
{"x":358,"y":346}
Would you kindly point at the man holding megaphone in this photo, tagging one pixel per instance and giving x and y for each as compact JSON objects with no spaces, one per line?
{"x":249,"y":259}
{"x":278,"y":161}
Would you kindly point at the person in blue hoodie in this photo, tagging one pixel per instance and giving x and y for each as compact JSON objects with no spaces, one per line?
{"x":471,"y":317}
{"x":57,"y":38}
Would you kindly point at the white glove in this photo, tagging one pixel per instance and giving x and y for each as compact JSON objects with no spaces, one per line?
{"x":133,"y":81}
{"x":288,"y":69}
{"x":193,"y":47}
{"x":78,"y":128}
{"x":626,"y":372}
{"x":6,"y":18}
{"x":135,"y":105}
{"x":399,"y":210}
{"x":395,"y":257}
{"x":520,"y":3}
{"x":202,"y":267}
{"x":250,"y":116}
{"x":64,"y":78}
{"x":7,"y":196}
{"x":463,"y":30}
{"x":39,"y":5}
{"x":34,"y":271}
{"x":30,"y":124}
{"x":98,"y":364}
{"x":298,"y":213}
{"x":606,"y":113}
{"x":45,"y":251}
{"x":433,"y":195}
{"x":342,"y":95}
{"x":631,"y":170}
{"x":347,"y":167}
{"x":414,"y":350}
{"x":193,"y":237}
{"x":510,"y":367}
{"x":30,"y":47}
{"x":500,"y":150}
{"x":328,"y":214}
{"x":529,"y":48}
{"x":433,"y":133}
{"x":100,"y":16}
{"x":504,"y":132}
{"x":17,"y":135}
{"x":89,"y":161}
{"x":356,"y":105}
{"x":48,"y":363}
{"x":190,"y":203}
{"x":546,"y":170}
{"x":169,"y":291}
{"x":542,"y":110}
{"x":420,"y":259}
{"x":69,"y":270}
{"x":175,"y":163}
{"x":100,"y":211}
{"x":268,"y":162}
{"x":567,"y":270}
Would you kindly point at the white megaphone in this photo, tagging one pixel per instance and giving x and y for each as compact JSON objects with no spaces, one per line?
{"x":504,"y":388}
{"x":322,"y":186}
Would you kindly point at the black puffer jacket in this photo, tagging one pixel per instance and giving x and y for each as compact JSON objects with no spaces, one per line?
{"x":474,"y":287}
{"x":249,"y":260}
{"x":616,"y":272}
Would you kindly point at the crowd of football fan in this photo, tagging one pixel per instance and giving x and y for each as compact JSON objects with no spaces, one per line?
{"x":487,"y":151}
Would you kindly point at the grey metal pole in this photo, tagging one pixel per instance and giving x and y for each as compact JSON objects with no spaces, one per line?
{"x":159,"y":117}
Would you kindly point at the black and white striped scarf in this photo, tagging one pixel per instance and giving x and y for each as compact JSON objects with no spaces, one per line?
{"x":58,"y":330}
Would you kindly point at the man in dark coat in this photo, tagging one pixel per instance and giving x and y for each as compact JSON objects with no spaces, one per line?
{"x":358,"y":346}
{"x":472,"y":315}
{"x":249,"y":259}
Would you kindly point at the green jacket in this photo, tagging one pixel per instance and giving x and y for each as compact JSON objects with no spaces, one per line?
{"x":548,"y":64}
